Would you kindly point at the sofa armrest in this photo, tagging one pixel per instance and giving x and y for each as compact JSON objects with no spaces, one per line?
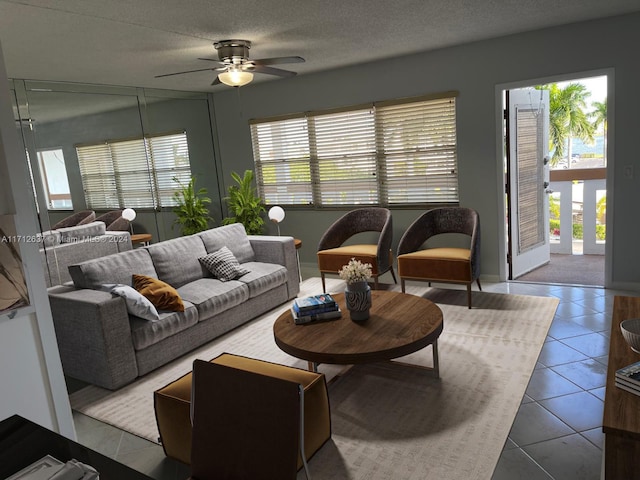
{"x":281,"y":251}
{"x":94,"y":336}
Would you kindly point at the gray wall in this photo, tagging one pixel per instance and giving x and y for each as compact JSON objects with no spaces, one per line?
{"x":475,"y":70}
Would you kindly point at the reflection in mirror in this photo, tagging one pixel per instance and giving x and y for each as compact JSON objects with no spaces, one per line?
{"x":54,"y":179}
{"x":94,"y":151}
{"x":62,"y":117}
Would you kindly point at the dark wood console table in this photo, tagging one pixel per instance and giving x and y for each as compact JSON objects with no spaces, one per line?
{"x":23,"y":442}
{"x":621,"y":423}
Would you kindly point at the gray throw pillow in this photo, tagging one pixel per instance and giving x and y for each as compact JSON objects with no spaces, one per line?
{"x":223,"y":265}
{"x":137,"y":304}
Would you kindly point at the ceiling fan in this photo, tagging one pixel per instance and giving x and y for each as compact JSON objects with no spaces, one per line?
{"x":235,"y":67}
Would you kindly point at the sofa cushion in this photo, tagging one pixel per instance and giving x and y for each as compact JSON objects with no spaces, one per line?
{"x":145,"y":333}
{"x":82,"y":232}
{"x":137,"y":304}
{"x":61,"y":256}
{"x":161,"y":294}
{"x":176,"y":260}
{"x":211,"y":296}
{"x":223,"y":265}
{"x":115,"y":268}
{"x":231,"y":236}
{"x":50,"y":238}
{"x":262,"y":277}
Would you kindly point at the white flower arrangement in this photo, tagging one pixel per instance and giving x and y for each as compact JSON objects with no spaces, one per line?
{"x":355,"y":271}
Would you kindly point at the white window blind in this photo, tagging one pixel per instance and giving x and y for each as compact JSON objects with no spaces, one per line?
{"x":282,"y":155}
{"x":344,"y":149}
{"x":135,"y":173}
{"x":390,"y":153}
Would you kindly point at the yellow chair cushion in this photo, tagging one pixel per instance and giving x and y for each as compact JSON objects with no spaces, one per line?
{"x":443,"y":264}
{"x":334,"y":259}
{"x":173,"y":406}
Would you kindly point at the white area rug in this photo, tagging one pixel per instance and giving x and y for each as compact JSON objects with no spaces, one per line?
{"x":388,"y":421}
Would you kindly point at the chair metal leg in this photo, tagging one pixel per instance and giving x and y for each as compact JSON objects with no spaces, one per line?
{"x":324,"y":289}
{"x":375,"y":282}
{"x":478,"y":282}
{"x":301,"y":441}
{"x":402,"y":284}
{"x":469,"y":294}
{"x":393,"y":275}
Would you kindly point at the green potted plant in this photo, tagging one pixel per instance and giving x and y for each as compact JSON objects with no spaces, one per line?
{"x":191,"y":210}
{"x":244,"y":204}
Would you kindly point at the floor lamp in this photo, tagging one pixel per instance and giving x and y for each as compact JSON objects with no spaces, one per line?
{"x":276,"y":215}
{"x":130,"y":215}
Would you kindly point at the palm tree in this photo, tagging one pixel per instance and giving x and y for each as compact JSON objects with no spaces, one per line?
{"x":567,"y":118}
{"x":599,"y":116}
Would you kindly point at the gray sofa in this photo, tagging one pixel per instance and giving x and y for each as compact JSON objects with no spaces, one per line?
{"x":69,"y":245}
{"x":101,"y":343}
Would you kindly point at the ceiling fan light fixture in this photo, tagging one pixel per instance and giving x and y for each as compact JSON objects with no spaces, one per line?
{"x":235,"y":77}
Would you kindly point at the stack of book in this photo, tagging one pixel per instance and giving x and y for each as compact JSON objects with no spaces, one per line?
{"x":628,"y":378}
{"x":314,"y":309}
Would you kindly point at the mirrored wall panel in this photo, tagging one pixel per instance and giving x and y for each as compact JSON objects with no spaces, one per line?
{"x":106,"y":162}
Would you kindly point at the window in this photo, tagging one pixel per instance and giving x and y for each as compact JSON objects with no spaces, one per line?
{"x":54,"y":179}
{"x":388,"y":153}
{"x":135,"y":173}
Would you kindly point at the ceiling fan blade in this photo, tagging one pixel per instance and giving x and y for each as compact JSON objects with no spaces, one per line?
{"x":275,"y":60}
{"x":272,"y":71}
{"x":187,"y":71}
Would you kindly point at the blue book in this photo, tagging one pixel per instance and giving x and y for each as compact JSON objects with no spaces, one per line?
{"x":315,"y":302}
{"x":319,"y":317}
{"x":314,"y":310}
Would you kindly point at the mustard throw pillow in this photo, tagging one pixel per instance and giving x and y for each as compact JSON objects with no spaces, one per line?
{"x":162,"y":295}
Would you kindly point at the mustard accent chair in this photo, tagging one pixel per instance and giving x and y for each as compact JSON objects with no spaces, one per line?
{"x":333,"y":255}
{"x":114,"y":221}
{"x":78,"y":218}
{"x":243,"y":391}
{"x":441,"y":264}
{"x":251,"y":419}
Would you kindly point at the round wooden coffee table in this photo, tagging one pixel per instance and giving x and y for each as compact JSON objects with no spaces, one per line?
{"x":399,"y":324}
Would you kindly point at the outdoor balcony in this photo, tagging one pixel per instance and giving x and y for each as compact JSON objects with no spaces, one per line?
{"x":578,"y":201}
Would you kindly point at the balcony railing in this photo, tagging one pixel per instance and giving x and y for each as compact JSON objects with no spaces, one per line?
{"x":578,"y":192}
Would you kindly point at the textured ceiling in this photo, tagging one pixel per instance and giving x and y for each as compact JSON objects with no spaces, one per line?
{"x":126,"y":42}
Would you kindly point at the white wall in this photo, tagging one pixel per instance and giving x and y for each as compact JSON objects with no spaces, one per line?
{"x":474,"y":70}
{"x":30,"y":370}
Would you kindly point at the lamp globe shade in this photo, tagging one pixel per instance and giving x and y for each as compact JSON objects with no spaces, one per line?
{"x":276,"y":214}
{"x":129,"y":214}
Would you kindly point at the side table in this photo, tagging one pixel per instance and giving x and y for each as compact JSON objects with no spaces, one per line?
{"x":621,"y":422}
{"x":23,"y":442}
{"x":141,"y":238}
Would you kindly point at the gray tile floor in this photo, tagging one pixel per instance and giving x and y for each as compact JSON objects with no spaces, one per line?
{"x":557,"y":433}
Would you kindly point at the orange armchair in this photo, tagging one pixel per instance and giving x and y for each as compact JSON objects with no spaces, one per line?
{"x":333,"y":255}
{"x":441,"y":264}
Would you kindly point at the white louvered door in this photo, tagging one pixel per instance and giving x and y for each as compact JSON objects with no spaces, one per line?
{"x":528,"y":134}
